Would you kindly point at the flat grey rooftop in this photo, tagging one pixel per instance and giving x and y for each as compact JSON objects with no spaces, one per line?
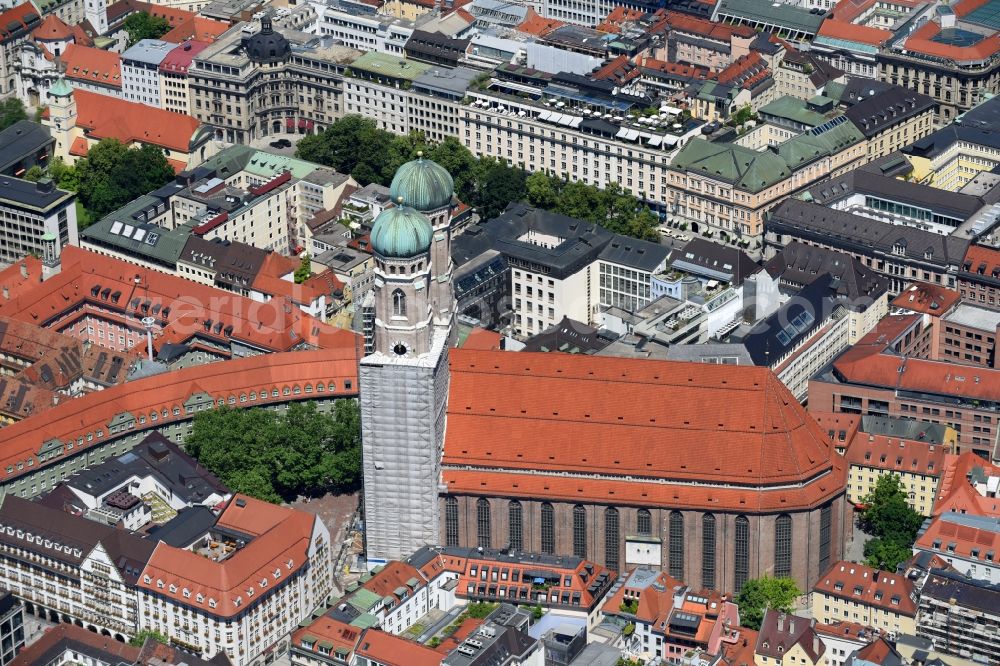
{"x":973,"y":316}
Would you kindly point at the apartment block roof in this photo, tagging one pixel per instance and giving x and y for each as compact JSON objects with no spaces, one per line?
{"x":789,"y":17}
{"x":959,"y":591}
{"x":69,"y":539}
{"x":982,"y":263}
{"x":798,"y":264}
{"x":91,"y":65}
{"x":891,"y":107}
{"x":957,"y":493}
{"x":75,"y":425}
{"x":179,"y":59}
{"x":184,"y":309}
{"x":36,"y":197}
{"x":499,"y":400}
{"x":966,"y":536}
{"x":852,"y":32}
{"x":20,"y":140}
{"x":779,"y":633}
{"x":898,"y":455}
{"x":574,"y":583}
{"x":278,"y":550}
{"x":714,"y":261}
{"x":156,"y":457}
{"x":927,"y":298}
{"x":741,"y":167}
{"x":866,"y":586}
{"x":17,"y":21}
{"x":148,"y":52}
{"x":852,"y":231}
{"x":389,"y":650}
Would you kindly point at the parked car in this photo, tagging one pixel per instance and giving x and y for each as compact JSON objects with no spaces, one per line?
{"x":281,"y":143}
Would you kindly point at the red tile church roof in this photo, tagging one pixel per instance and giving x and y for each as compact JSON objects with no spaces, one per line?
{"x":657,"y":433}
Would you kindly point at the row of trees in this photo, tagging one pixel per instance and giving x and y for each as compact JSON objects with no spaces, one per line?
{"x":278,"y":457}
{"x":357,"y":146}
{"x":892,"y":523}
{"x":110,"y":176}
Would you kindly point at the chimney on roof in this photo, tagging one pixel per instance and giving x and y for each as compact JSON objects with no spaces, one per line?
{"x":781,"y":622}
{"x":815,"y":643}
{"x":791,"y":625}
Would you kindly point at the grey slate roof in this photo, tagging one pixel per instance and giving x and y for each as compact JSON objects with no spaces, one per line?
{"x":975,"y":595}
{"x":25,"y":194}
{"x":156,"y":456}
{"x":798,"y":264}
{"x":873,"y":115}
{"x":20,"y":140}
{"x":795,"y":321}
{"x":861,"y":234}
{"x":715,"y":261}
{"x":127,"y":551}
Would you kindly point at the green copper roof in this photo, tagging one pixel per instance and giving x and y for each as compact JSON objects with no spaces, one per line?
{"x":423,"y":184}
{"x":401,"y":232}
{"x":60,"y":88}
{"x":745,"y":168}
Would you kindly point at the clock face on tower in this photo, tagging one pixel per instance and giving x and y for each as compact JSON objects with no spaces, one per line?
{"x":399,"y":348}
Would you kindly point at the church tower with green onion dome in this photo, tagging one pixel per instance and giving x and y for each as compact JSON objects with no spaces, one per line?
{"x":404,"y":381}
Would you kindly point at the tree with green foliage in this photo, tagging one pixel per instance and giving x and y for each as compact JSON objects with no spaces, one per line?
{"x":278,"y":457}
{"x":479,"y":609}
{"x":628,"y":661}
{"x":34,"y":174}
{"x":304,"y":270}
{"x":112,"y":174}
{"x":140,"y":637}
{"x":11,"y":110}
{"x":893,"y":523}
{"x":496,"y":185}
{"x":759,"y":594}
{"x":65,"y":175}
{"x":742,"y":115}
{"x":353,"y":145}
{"x":143,"y":25}
{"x":459,"y":162}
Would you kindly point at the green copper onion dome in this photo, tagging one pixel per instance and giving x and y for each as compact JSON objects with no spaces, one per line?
{"x":423,"y":184}
{"x":401,"y":232}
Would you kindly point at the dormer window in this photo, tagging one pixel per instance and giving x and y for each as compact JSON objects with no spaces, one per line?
{"x":899,"y":248}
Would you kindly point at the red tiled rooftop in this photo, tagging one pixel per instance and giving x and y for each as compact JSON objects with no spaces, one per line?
{"x":52,"y":29}
{"x":956,"y":494}
{"x":982,"y":260}
{"x":927,"y":298}
{"x":278,"y":551}
{"x":836,"y":29}
{"x":389,"y":650}
{"x":37,"y":652}
{"x":14,"y":20}
{"x":179,"y":59}
{"x":894,"y":454}
{"x":196,"y":28}
{"x":276,"y":325}
{"x":922,"y":41}
{"x":966,"y":541}
{"x":106,"y":117}
{"x":537,"y":25}
{"x":85,"y":63}
{"x":706,"y":28}
{"x":869,"y":587}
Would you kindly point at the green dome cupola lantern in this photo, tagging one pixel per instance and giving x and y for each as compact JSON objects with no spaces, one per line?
{"x":423,"y":184}
{"x":401,"y":232}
